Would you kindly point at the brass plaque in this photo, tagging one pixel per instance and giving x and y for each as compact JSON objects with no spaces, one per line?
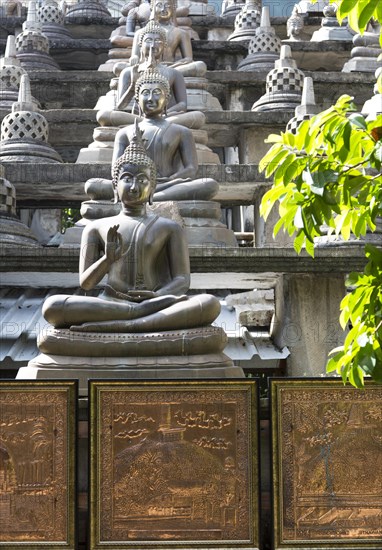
{"x":173,"y":464}
{"x":37,"y":464}
{"x":327,"y":464}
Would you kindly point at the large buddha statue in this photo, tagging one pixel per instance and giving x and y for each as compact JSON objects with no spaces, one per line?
{"x":171,"y":146}
{"x":141,"y":324}
{"x":145,"y":258}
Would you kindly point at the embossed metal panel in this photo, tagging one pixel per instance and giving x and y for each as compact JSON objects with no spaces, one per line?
{"x":173,"y":464}
{"x":37,"y":464}
{"x":327,"y":465}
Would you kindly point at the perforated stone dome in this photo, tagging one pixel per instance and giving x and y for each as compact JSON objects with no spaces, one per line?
{"x":248,"y":18}
{"x":264,"y":41}
{"x":10,"y":77}
{"x":31,"y":41}
{"x":285,"y":79}
{"x":7,"y":197}
{"x":24,"y":125}
{"x":50,"y":13}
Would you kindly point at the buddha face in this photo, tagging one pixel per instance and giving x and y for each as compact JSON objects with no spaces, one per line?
{"x":134,"y":184}
{"x":152,"y":99}
{"x":154,"y":41}
{"x":163,"y":10}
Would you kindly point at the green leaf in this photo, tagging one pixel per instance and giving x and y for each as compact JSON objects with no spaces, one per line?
{"x":366,"y":14}
{"x":357,"y":120}
{"x":345,"y":7}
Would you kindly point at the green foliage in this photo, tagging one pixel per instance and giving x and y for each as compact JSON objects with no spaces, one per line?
{"x":362,"y":308}
{"x":69,"y":216}
{"x":329,"y":174}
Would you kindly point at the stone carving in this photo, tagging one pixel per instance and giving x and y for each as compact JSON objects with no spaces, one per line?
{"x":231,"y":8}
{"x":178,"y":52}
{"x":295,"y":25}
{"x":10,"y":75}
{"x":87,"y":11}
{"x":365,"y":52}
{"x":32,"y":46}
{"x":9,"y":8}
{"x":24,"y":132}
{"x":307,"y":109}
{"x":247,"y":21}
{"x":170,"y":145}
{"x":330,"y":27}
{"x":283,"y":85}
{"x":52,"y":17}
{"x":12,"y":231}
{"x":264,"y":47}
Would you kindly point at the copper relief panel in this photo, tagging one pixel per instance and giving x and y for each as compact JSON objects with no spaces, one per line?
{"x":37,"y":464}
{"x":174,"y":462}
{"x":327,"y":461}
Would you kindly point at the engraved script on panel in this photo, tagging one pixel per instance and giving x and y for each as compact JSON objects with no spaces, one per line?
{"x":177,"y":468}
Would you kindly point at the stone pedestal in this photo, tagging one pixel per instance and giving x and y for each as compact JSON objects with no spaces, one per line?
{"x":330,"y":27}
{"x":364,"y":55}
{"x":191,"y":353}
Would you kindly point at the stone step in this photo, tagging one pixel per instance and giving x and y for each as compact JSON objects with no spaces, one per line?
{"x":62,"y":185}
{"x":236,"y":90}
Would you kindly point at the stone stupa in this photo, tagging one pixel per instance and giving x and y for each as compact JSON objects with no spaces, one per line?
{"x":32,"y":46}
{"x":10,"y":75}
{"x":231,"y":8}
{"x":264,"y":47}
{"x":52,"y":17}
{"x":307,"y":109}
{"x":365,"y":52}
{"x":87,"y":12}
{"x":283,"y":85}
{"x":12,"y":231}
{"x":24,"y":132}
{"x":331,"y":29}
{"x":247,"y":21}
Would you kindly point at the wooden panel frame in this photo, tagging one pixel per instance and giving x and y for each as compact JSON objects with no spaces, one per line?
{"x":38,"y":453}
{"x":327,"y":463}
{"x":174,"y":464}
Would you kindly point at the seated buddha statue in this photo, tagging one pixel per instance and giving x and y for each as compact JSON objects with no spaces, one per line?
{"x":145,"y":258}
{"x":152,"y":42}
{"x":178,"y":51}
{"x":171,"y":147}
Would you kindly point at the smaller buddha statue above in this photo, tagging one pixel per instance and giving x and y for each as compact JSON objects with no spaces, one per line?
{"x":170,"y":145}
{"x":178,"y":51}
{"x":152,"y":42}
{"x":145,"y":258}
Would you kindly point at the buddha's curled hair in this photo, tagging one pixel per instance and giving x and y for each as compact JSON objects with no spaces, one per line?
{"x":153,"y":27}
{"x":153,"y":76}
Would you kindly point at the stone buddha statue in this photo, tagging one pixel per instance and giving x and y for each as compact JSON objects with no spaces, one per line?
{"x":145,"y":258}
{"x":171,"y":146}
{"x":178,"y":50}
{"x":153,"y":40}
{"x":141,"y":325}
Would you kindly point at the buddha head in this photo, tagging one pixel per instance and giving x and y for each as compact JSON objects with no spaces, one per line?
{"x":163,"y":10}
{"x":153,"y":38}
{"x":134,"y":174}
{"x":152,"y":93}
